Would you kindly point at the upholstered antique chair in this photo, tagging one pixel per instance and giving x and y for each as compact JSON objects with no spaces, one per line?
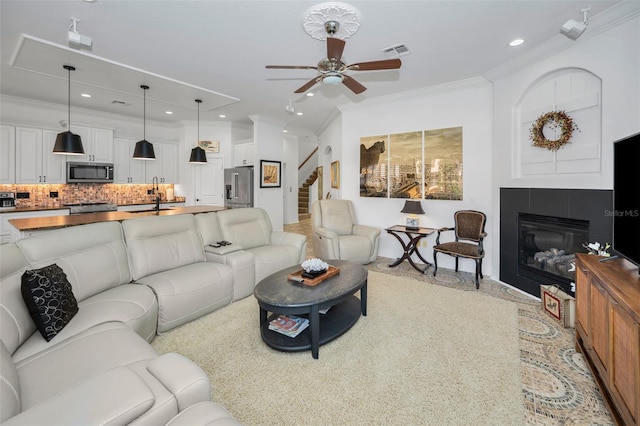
{"x":469,"y":233}
{"x":336,"y":235}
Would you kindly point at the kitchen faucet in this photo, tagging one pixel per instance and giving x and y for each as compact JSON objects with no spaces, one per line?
{"x":156,"y":191}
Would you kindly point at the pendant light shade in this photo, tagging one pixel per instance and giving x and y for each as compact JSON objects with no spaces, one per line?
{"x":144,"y":149}
{"x":68,"y":143}
{"x":198,"y":155}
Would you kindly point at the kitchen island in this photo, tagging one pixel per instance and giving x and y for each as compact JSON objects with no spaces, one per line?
{"x":27,"y":225}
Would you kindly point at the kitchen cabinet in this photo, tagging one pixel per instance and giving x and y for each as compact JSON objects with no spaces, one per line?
{"x":35,"y":160}
{"x":126,"y":169}
{"x":97,"y":143}
{"x":165,"y":166}
{"x":243,"y":154}
{"x":7,"y":154}
{"x":608,"y":331}
{"x":9,"y":234}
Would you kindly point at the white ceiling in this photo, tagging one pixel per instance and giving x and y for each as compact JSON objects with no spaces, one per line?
{"x":217,"y":51}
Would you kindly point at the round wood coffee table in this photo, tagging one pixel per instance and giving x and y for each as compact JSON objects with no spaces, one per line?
{"x":277,"y":295}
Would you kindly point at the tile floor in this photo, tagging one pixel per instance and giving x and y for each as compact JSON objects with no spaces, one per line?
{"x":557,"y":386}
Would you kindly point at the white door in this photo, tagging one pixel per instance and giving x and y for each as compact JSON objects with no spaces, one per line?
{"x":209,"y":180}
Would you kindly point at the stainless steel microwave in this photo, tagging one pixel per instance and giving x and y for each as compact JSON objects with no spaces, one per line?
{"x":89,"y":172}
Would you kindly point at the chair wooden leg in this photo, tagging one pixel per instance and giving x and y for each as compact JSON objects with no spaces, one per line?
{"x":477,"y":272}
{"x":435,"y":263}
{"x":456,"y":263}
{"x":481,"y":276}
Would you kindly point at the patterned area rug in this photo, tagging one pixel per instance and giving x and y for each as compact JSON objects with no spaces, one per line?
{"x":558,"y":387}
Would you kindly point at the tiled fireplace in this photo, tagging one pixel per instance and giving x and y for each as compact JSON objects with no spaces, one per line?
{"x":541,"y":230}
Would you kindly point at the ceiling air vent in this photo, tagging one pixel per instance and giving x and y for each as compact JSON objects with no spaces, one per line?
{"x":396,"y":50}
{"x":121,"y":103}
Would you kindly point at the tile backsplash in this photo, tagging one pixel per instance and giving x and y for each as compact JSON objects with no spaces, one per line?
{"x":40,"y":195}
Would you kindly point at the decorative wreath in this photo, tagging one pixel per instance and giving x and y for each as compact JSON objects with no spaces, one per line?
{"x":553,"y":119}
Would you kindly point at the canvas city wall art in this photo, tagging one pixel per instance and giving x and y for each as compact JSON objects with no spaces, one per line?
{"x":422,"y":164}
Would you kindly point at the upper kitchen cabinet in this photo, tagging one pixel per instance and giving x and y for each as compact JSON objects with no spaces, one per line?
{"x":126,"y":169}
{"x":35,"y":160}
{"x":97,"y":143}
{"x":243,"y":153}
{"x":165,"y":166}
{"x":7,"y":154}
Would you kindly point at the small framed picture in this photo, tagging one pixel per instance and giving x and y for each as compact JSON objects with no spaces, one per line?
{"x":210,"y":146}
{"x":335,"y":175}
{"x":270,"y":172}
{"x":413,"y":223}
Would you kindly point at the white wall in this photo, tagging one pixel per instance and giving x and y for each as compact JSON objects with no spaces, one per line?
{"x":467,"y":104}
{"x":290,"y":179}
{"x":614,"y":57}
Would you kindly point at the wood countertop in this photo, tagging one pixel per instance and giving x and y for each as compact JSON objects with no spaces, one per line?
{"x":52,"y":222}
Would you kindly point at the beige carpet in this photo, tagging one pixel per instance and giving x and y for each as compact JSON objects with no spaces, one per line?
{"x":425,"y":354}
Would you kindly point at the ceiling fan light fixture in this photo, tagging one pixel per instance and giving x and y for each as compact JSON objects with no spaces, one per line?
{"x":68,"y":143}
{"x":144,"y":149}
{"x":333,"y":79}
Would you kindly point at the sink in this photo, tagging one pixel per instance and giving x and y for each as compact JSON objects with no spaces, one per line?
{"x":151,"y":210}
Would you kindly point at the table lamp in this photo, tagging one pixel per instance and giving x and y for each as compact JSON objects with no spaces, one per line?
{"x":412,"y":208}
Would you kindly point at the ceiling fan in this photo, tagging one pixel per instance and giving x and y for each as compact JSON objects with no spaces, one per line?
{"x":332,"y":69}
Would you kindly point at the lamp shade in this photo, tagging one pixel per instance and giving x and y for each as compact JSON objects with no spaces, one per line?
{"x":144,"y":151}
{"x":68,"y":143}
{"x":412,"y":207}
{"x":198,"y":156}
{"x":332,"y":78}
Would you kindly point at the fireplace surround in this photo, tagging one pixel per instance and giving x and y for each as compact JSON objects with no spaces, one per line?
{"x":580,"y":212}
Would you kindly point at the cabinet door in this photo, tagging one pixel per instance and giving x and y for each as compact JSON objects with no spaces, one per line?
{"x":122,"y":156}
{"x":153,"y":168}
{"x":582,"y":303}
{"x":85,"y":135}
{"x":101,"y":145}
{"x":54,"y":166}
{"x":599,"y":333}
{"x":28,"y":155}
{"x":7,"y":154}
{"x":625,"y":362}
{"x":170,"y":163}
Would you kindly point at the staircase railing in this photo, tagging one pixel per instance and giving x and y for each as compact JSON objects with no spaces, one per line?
{"x":308,"y":158}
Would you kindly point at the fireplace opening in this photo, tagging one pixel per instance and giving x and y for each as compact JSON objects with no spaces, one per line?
{"x":547,"y":246}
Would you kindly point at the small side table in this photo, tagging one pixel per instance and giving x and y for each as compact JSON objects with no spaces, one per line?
{"x":410,"y":247}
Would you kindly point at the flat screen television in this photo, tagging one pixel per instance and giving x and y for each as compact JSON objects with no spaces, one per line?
{"x":626,"y":198}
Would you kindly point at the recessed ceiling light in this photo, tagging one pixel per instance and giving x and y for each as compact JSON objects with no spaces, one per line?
{"x":310,"y":94}
{"x":222,"y":116}
{"x":298,"y":113}
{"x":169,"y":112}
{"x":516,"y":42}
{"x":85,"y":95}
{"x":285,"y":131}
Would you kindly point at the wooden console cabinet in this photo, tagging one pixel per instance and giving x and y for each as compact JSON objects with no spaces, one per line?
{"x":608,"y":331}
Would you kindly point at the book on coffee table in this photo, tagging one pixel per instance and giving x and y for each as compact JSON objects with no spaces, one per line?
{"x":290,"y":326}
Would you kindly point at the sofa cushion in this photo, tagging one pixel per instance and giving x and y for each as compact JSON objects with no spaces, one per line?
{"x":208,"y":227}
{"x":49,"y":298}
{"x":190,"y":291}
{"x":162,"y":243}
{"x":249,"y":227}
{"x":93,"y":256}
{"x":132,"y":304}
{"x":16,"y":324}
{"x":9,"y":386}
{"x":336,"y":216}
{"x":270,"y":259}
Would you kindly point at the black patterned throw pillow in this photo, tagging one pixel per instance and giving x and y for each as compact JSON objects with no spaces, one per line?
{"x":49,"y":298}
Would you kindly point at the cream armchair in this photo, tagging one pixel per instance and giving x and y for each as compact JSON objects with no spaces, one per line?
{"x":337,"y":236}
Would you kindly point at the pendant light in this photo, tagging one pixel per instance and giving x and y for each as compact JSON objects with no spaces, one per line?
{"x":68,"y":143}
{"x":144,"y":148}
{"x":198,"y":155}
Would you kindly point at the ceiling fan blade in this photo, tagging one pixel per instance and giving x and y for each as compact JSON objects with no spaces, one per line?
{"x":335,"y":46}
{"x":292,"y":67}
{"x":387,"y":64}
{"x":352,"y":84}
{"x":308,"y":84}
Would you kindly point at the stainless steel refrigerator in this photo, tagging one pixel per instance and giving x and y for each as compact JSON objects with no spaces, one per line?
{"x":238,"y":187}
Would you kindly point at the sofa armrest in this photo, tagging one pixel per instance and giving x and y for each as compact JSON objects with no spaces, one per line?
{"x":366,"y":231}
{"x":182,"y":377}
{"x":281,"y":238}
{"x":326,"y":243}
{"x":117,"y":396}
{"x":222,"y":250}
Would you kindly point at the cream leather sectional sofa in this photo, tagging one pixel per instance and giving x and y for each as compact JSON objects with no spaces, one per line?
{"x":131,"y":281}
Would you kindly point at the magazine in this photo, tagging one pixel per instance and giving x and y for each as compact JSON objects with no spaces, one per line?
{"x":290,"y":326}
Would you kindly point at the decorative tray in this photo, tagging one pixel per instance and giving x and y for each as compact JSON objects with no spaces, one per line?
{"x":297,"y":276}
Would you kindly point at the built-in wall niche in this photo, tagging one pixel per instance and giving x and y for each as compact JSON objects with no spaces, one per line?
{"x":577,"y":92}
